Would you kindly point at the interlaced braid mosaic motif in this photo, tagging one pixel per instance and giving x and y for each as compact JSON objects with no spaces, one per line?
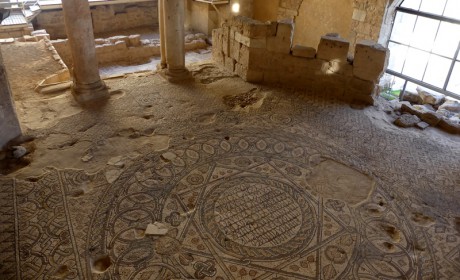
{"x":250,"y":204}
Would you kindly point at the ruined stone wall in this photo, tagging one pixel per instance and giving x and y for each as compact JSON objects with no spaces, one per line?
{"x":266,"y":10}
{"x":9,"y":123}
{"x":353,"y":19}
{"x":198,"y":17}
{"x":367,"y":20}
{"x":262,"y":53}
{"x":53,"y":22}
{"x":203,"y":17}
{"x":120,"y":17}
{"x":289,"y":9}
{"x":105,"y":18}
{"x":126,"y":49}
{"x":116,"y":49}
{"x":318,"y":17}
{"x":15,"y":32}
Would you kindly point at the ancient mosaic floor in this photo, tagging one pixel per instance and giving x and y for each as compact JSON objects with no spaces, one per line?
{"x":300,"y":188}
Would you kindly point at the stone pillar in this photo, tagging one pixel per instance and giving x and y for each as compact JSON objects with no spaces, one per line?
{"x":174,"y":16}
{"x":9,"y":123}
{"x":161,"y":21}
{"x":87,"y":83}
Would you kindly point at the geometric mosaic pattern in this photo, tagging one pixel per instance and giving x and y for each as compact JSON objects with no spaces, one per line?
{"x":242,"y":202}
{"x":243,"y":208}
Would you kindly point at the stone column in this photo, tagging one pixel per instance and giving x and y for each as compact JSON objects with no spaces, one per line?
{"x":161,"y":21}
{"x":9,"y":123}
{"x":87,"y":83}
{"x":174,"y":16}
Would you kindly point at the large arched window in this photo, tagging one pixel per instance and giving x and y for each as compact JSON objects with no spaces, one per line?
{"x":425,"y":46}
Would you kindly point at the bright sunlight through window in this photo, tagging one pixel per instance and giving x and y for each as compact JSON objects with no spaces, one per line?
{"x":425,"y":44}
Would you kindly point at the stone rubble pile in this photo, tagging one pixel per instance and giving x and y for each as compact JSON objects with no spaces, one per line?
{"x":430,"y":108}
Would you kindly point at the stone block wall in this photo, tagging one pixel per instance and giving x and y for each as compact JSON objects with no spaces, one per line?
{"x":318,"y":17}
{"x":262,"y":53}
{"x":120,"y":17}
{"x":288,"y":9}
{"x":367,"y":20}
{"x":126,"y":49}
{"x":53,"y":22}
{"x":15,"y":31}
{"x":365,"y":23}
{"x":198,"y":17}
{"x":264,"y":10}
{"x":107,"y":18}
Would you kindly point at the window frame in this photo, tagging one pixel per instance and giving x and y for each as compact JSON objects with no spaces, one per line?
{"x":455,"y":59}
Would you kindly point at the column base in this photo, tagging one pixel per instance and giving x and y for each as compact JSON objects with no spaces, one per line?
{"x":87,"y":93}
{"x":161,"y":66}
{"x":176,"y":75}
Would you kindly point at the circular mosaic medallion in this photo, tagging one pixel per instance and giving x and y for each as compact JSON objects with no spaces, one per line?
{"x":258,"y":218}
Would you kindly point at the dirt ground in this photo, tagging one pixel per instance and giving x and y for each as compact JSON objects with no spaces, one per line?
{"x":27,"y":64}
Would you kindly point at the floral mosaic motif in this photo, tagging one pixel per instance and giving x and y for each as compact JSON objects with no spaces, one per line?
{"x":224,"y":188}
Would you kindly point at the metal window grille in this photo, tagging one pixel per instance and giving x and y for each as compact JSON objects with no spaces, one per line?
{"x":438,"y":18}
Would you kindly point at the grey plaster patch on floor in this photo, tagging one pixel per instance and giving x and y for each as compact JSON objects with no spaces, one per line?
{"x":334,"y":180}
